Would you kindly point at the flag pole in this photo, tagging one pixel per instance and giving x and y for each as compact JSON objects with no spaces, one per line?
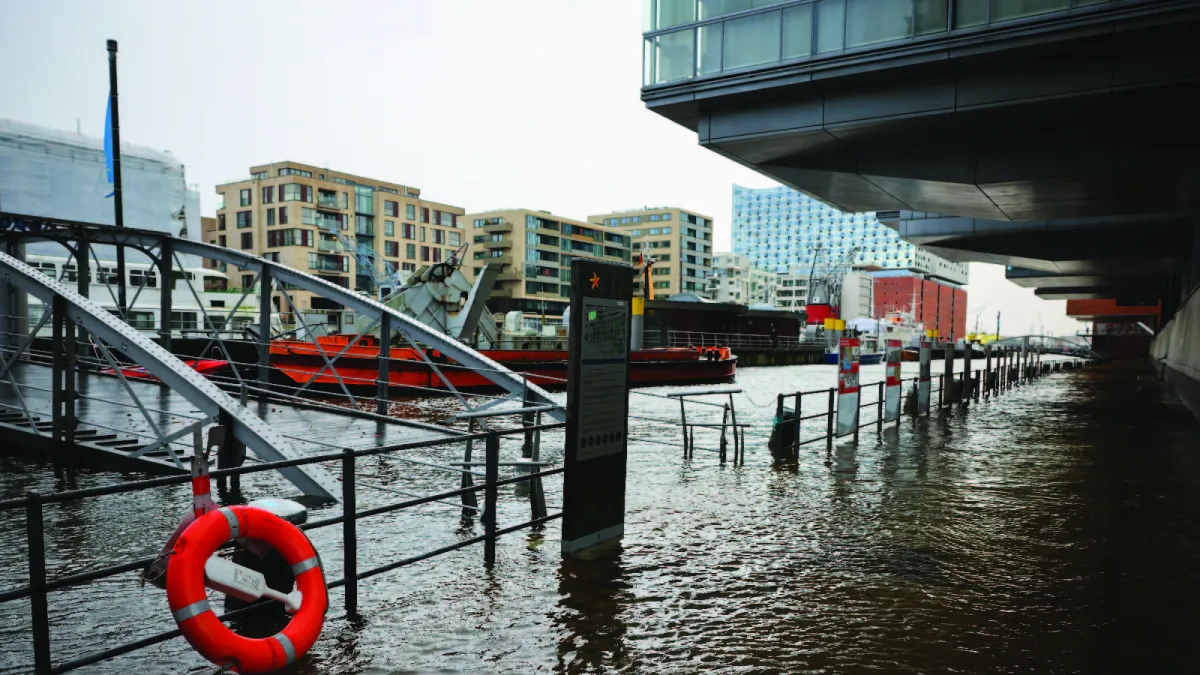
{"x":118,"y":205}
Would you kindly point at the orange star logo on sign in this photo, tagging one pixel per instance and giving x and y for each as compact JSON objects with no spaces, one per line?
{"x":595,"y":280}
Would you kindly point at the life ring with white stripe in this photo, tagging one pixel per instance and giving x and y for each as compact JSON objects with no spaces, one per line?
{"x":198,"y":622}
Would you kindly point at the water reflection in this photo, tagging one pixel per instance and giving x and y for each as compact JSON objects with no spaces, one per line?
{"x":593,"y":596}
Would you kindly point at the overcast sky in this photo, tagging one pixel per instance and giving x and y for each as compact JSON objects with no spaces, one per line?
{"x":480,"y":103}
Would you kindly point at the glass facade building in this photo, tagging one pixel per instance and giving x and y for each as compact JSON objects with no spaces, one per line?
{"x":781,"y":229}
{"x":685,"y":39}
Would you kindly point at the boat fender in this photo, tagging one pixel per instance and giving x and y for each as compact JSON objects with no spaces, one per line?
{"x":191,"y":566}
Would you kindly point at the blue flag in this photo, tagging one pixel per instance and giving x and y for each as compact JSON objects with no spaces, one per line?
{"x":108,"y":145}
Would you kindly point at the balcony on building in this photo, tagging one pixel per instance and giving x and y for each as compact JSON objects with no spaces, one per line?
{"x":329,"y":245}
{"x":328,"y":199}
{"x":325,"y":263}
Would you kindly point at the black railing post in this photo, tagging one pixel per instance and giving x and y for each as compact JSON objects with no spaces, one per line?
{"x":349,"y":532}
{"x":492,"y":474}
{"x":58,"y":310}
{"x":266,"y":285}
{"x":829,"y":419}
{"x":383,"y":377}
{"x":797,"y":421}
{"x":879,"y":407}
{"x":39,"y":608}
{"x":683,"y":426}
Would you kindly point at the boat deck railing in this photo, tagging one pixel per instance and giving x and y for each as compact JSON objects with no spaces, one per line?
{"x":735,"y":341}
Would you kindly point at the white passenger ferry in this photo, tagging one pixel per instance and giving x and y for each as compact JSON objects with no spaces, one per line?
{"x":143,"y":293}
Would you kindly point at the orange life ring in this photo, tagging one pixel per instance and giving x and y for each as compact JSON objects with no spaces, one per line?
{"x":199,"y":624}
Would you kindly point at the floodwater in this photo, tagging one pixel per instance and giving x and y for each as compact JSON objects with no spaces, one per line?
{"x":1051,"y":530}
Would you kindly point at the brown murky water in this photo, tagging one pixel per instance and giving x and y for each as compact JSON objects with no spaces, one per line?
{"x":1054,"y":530}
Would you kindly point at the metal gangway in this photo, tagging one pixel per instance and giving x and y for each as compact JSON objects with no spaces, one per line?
{"x":87,"y":376}
{"x":1046,"y":344}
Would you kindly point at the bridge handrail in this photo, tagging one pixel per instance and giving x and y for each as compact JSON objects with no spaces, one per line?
{"x":173,"y":372}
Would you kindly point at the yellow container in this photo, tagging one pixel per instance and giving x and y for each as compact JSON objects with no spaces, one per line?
{"x":830,"y":324}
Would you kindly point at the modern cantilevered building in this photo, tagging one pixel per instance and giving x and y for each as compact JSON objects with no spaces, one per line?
{"x":1048,"y":135}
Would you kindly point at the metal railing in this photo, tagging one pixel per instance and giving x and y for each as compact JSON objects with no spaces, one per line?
{"x":40,"y":585}
{"x":981,"y":384}
{"x":735,"y":341}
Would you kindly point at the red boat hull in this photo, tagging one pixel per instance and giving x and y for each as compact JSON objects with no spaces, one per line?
{"x":297,"y":363}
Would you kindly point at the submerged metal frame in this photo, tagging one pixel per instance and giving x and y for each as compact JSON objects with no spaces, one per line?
{"x":258,"y":436}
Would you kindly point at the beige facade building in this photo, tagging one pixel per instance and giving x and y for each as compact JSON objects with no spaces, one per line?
{"x":535,"y":250}
{"x":679,"y":241}
{"x":360,"y":233}
{"x":736,"y":279}
{"x":792,"y":292}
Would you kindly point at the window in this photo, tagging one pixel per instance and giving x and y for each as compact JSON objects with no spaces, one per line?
{"x":410,"y":211}
{"x":439,"y":237}
{"x":445,"y":219}
{"x":145,"y":278}
{"x":220,"y":221}
{"x":662,"y":284}
{"x":247,"y":240}
{"x":408,"y":267}
{"x":660,"y":271}
{"x":183,"y":320}
{"x":293,"y":237}
{"x":364,"y":199}
{"x":389,"y":228}
{"x":268,"y":194}
{"x":308,"y":216}
{"x":830,"y":17}
{"x":283,"y":215}
{"x":295,"y":172}
{"x":294,"y":192}
{"x":364,"y":225}
{"x":70,"y":273}
{"x":244,"y":197}
{"x":424,"y":254}
{"x":45,"y":268}
{"x":273,"y":256}
{"x":410,"y":250}
{"x":408,"y":231}
{"x":391,"y":248}
{"x":247,"y":280}
{"x":270,"y":217}
{"x":437,"y":255}
{"x":221,"y":241}
{"x":422,"y":234}
{"x":391,"y":208}
{"x":243,"y":219}
{"x":454,"y":238}
{"x":424,"y":216}
{"x":259,"y":175}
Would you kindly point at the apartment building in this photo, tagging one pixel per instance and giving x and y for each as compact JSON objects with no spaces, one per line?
{"x":735,"y":279}
{"x":535,"y":250}
{"x":680,"y":242}
{"x":792,"y":292}
{"x":360,"y":233}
